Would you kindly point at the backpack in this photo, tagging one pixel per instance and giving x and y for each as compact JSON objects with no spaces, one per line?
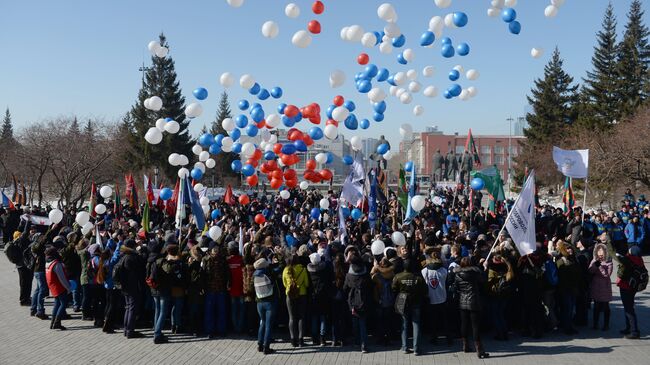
{"x":29,"y":259}
{"x":386,"y":297}
{"x":550,"y":273}
{"x":503,"y":286}
{"x":13,"y":252}
{"x":152,"y":279}
{"x":119,"y":273}
{"x":355,"y":300}
{"x":263,"y":286}
{"x":638,"y":278}
{"x":318,"y":290}
{"x":402,"y":303}
{"x":293,"y":291}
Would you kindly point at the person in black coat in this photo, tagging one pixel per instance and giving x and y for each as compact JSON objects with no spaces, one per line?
{"x":467,"y":280}
{"x":132,"y":268}
{"x":321,"y":289}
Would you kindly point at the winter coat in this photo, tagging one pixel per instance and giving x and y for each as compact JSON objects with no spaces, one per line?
{"x":411,"y":284}
{"x":601,"y":285}
{"x":467,"y":282}
{"x":134,"y":272}
{"x":358,"y":278}
{"x":71,"y":261}
{"x":216,"y":273}
{"x":249,"y":287}
{"x":235,"y":265}
{"x":321,"y":286}
{"x":381,"y":276}
{"x":435,"y":278}
{"x":634,"y":233}
{"x":569,"y":275}
{"x":299,"y":274}
{"x":497,"y":282}
{"x":626,"y":264}
{"x":84,"y":261}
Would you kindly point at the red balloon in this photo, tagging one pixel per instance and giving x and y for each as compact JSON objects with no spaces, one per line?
{"x":252,"y":162}
{"x":261,"y":124}
{"x":276,"y":183}
{"x":291,"y":183}
{"x":326,"y":174}
{"x":264,"y":168}
{"x":272,"y":165}
{"x":260,"y":219}
{"x":252,"y":180}
{"x":294,"y":135}
{"x":332,"y":122}
{"x":308,"y":141}
{"x":317,"y":7}
{"x":314,"y":27}
{"x":287,"y":160}
{"x":338,"y":100}
{"x":244,"y":199}
{"x":316,"y":178}
{"x":290,"y":174}
{"x":315,"y":119}
{"x":277,"y":174}
{"x":362,"y":59}
{"x":308,"y":174}
{"x":257,"y":155}
{"x":310,"y":165}
{"x":291,"y":111}
{"x":277,"y":148}
{"x":309,"y":111}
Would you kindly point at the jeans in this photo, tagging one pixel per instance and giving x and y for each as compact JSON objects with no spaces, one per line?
{"x":76,"y":294}
{"x":318,"y":323}
{"x":297,"y":310}
{"x":59,"y":306}
{"x":25,"y":278}
{"x":237,"y":313}
{"x":360,"y":329}
{"x":177,"y":310}
{"x":568,"y":300}
{"x":631,"y":324}
{"x":161,"y":309}
{"x":385,"y":324}
{"x":215,"y":304}
{"x":498,"y":308}
{"x":130,"y":311}
{"x":266,"y":310}
{"x":38,"y":298}
{"x":469,"y":320}
{"x":412,"y":315}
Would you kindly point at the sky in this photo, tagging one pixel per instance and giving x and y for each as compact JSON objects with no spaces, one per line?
{"x":76,"y":57}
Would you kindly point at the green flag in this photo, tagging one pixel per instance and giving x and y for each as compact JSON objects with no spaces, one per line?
{"x":402,"y":193}
{"x":145,"y":216}
{"x":493,"y":184}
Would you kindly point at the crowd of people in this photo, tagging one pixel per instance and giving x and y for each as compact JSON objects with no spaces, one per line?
{"x":457,"y":275}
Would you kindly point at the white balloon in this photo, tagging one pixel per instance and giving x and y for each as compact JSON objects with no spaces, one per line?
{"x":324,"y":204}
{"x":393,"y":90}
{"x":160,"y":124}
{"x":344,"y":33}
{"x":100,"y":209}
{"x":235,"y":3}
{"x":459,"y":68}
{"x":406,"y":131}
{"x":292,"y":10}
{"x":82,"y":218}
{"x":550,"y":11}
{"x":153,"y":135}
{"x":228,"y":124}
{"x":155,"y":103}
{"x":385,"y":47}
{"x":537,"y":52}
{"x":193,"y":110}
{"x":210,"y":163}
{"x":227,"y":141}
{"x":443,"y":3}
{"x":399,"y":78}
{"x":464,"y":95}
{"x":55,"y":216}
{"x":246,"y":81}
{"x":493,"y":12}
{"x":340,"y":113}
{"x":273,"y":139}
{"x":196,"y":149}
{"x":227,"y":148}
{"x":183,"y":172}
{"x":304,"y":185}
{"x":226,"y":79}
{"x":284,"y":194}
{"x":248,"y":149}
{"x":387,"y":13}
{"x":204,"y":156}
{"x":511,"y":3}
{"x":301,"y":39}
{"x":449,"y":21}
{"x":153,"y":46}
{"x":430,"y":91}
{"x":472,"y":91}
{"x":173,"y":159}
{"x":331,"y":132}
{"x":106,"y":191}
{"x":415,"y":86}
{"x":406,"y":98}
{"x":369,"y":40}
{"x":498,"y":3}
{"x":377,"y":247}
{"x":412,"y":74}
{"x":472,"y":74}
{"x":355,"y":143}
{"x":172,"y":127}
{"x":198,"y":187}
{"x":388,"y":155}
{"x":376,"y":95}
{"x":215,"y":232}
{"x":183,"y":160}
{"x":436,"y":24}
{"x":337,"y":78}
{"x":428,"y":71}
{"x":557,"y":3}
{"x":204,"y":200}
{"x":162,"y":52}
{"x":408,"y":55}
{"x":321,"y":158}
{"x":398,"y":238}
{"x":87,"y":227}
{"x":418,"y":110}
{"x":270,"y":29}
{"x":417,"y":203}
{"x":273,"y":120}
{"x":354,"y":33}
{"x":392,"y":30}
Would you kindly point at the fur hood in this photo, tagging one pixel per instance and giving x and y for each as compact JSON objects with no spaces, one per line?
{"x":598,"y":247}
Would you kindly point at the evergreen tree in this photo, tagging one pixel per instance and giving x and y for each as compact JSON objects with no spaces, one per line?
{"x":223,"y":113}
{"x":89,"y":130}
{"x":160,"y":80}
{"x":7,"y":134}
{"x":555,"y":104}
{"x":634,"y":61}
{"x":74,"y":127}
{"x":601,"y":100}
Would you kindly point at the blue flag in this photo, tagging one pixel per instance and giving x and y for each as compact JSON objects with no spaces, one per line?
{"x":190,"y":196}
{"x":372,"y":201}
{"x":410,"y":213}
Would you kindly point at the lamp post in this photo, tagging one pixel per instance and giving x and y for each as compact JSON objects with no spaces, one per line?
{"x":155,"y":177}
{"x":510,"y":120}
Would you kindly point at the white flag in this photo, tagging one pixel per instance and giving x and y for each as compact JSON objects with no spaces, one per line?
{"x":572,"y":163}
{"x":521,"y":220}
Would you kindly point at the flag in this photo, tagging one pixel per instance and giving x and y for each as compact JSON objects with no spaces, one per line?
{"x":342,"y":230}
{"x":381,"y":186}
{"x":131,"y":191}
{"x":410,"y":213}
{"x":192,"y":199}
{"x":568,"y":198}
{"x":352,"y":190}
{"x":180,"y":203}
{"x":493,"y":185}
{"x":98,"y":237}
{"x":148,"y":190}
{"x":402,"y":189}
{"x":36,"y":220}
{"x":170,"y":205}
{"x":145,"y":217}
{"x":93,"y":200}
{"x":6,"y":202}
{"x":372,"y":202}
{"x":228,"y":197}
{"x":470,"y":147}
{"x":572,"y":163}
{"x":521,"y":220}
{"x":117,"y":202}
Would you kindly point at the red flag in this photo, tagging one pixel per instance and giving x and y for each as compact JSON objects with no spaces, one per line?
{"x":470,"y":147}
{"x":170,"y":205}
{"x":228,"y":197}
{"x":159,"y":202}
{"x":148,"y":190}
{"x":131,"y":191}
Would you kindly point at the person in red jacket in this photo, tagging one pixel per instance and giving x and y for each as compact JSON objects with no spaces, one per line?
{"x":58,"y":284}
{"x":236,"y":286}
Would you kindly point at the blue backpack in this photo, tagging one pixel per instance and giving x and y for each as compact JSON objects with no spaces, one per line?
{"x":387,"y":297}
{"x":550,"y":272}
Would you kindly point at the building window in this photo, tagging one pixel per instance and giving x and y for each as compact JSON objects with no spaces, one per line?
{"x":460,"y":150}
{"x":498,"y":159}
{"x":499,"y":150}
{"x":513,"y":151}
{"x":486,"y":159}
{"x":486,"y":149}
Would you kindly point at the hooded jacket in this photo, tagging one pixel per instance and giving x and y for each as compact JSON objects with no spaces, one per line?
{"x":357,"y":278}
{"x":134,"y":272}
{"x":321,"y":277}
{"x":467,"y":281}
{"x":601,"y":271}
{"x":435,"y":277}
{"x":626,"y":264}
{"x":381,"y":275}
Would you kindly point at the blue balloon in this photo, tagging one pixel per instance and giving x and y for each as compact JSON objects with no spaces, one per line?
{"x":236,"y":166}
{"x":281,"y":108}
{"x":243,"y":104}
{"x":460,"y":19}
{"x":508,"y":15}
{"x":382,"y":148}
{"x":378,"y":117}
{"x":380,"y":35}
{"x":399,"y":41}
{"x":329,"y":111}
{"x":276,"y":92}
{"x":218,"y":138}
{"x":263,"y":95}
{"x":462,"y":49}
{"x":445,"y":40}
{"x":382,"y":75}
{"x":241,"y":121}
{"x":359,"y":76}
{"x":447,"y":51}
{"x":297,"y":118}
{"x":288,"y":149}
{"x":269,"y":155}
{"x":315,"y":213}
{"x":235,"y":134}
{"x":206,"y":140}
{"x":215,"y":148}
{"x":455,"y":90}
{"x":345,"y":211}
{"x":401,"y":59}
{"x":408,"y":166}
{"x":514,"y":27}
{"x":391,"y":80}
{"x":255,"y":89}
{"x":257,"y":114}
{"x":349,"y":105}
{"x":454,"y":75}
{"x":330,"y":157}
{"x":288,"y":122}
{"x":371,"y":71}
{"x":364,"y":124}
{"x":168,"y":119}
{"x":200,"y":93}
{"x":315,"y":133}
{"x":348,"y":160}
{"x":166,"y":193}
{"x":447,"y":94}
{"x":477,"y":183}
{"x":196,"y":174}
{"x":351,"y":122}
{"x":427,"y":38}
{"x":364,"y":86}
{"x":252,"y":130}
{"x":236,"y":147}
{"x":356,"y":214}
{"x":379,"y":107}
{"x":256,"y":105}
{"x":216,"y":213}
{"x":300,"y":145}
{"x":248,"y":170}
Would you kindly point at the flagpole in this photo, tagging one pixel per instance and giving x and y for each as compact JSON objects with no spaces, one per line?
{"x":584,"y":202}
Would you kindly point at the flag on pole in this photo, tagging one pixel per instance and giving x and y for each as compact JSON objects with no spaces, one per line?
{"x":470,"y":147}
{"x":159,"y":202}
{"x":180,"y":204}
{"x":568,"y":198}
{"x":228,"y":197}
{"x":131,"y":191}
{"x":410,"y":213}
{"x":192,"y":199}
{"x":493,"y":185}
{"x":521,"y":220}
{"x":93,"y":200}
{"x":148,"y":190}
{"x":372,"y":202}
{"x":145,"y":217}
{"x":572,"y":163}
{"x":343,"y":232}
{"x":170,"y":205}
{"x":117,"y":202}
{"x":98,"y":237}
{"x":402,"y":189}
{"x":6,"y":202}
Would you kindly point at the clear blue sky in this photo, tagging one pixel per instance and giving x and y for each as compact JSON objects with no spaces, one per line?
{"x":82,"y":57}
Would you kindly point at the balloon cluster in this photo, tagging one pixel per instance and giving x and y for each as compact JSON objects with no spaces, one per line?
{"x":302,"y":38}
{"x":157,"y":50}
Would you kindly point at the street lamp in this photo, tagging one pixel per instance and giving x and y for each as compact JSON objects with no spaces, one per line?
{"x":155,"y":177}
{"x":510,"y":120}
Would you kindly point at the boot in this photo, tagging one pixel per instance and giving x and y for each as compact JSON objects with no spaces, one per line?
{"x":323,"y":342}
{"x":52,"y":323}
{"x":606,"y":322}
{"x":466,"y":347}
{"x":57,"y":324}
{"x":479,"y":350}
{"x":260,"y":347}
{"x":268,"y":350}
{"x":107,"y":328}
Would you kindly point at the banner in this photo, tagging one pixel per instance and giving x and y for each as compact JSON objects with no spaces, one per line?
{"x":521,"y":220}
{"x":410,"y":213}
{"x":572,"y":163}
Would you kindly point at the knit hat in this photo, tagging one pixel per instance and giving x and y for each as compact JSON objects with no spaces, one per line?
{"x":314,"y":258}
{"x":303,"y":250}
{"x":261,"y":264}
{"x":635,"y":251}
{"x":233,"y":245}
{"x":92,"y":249}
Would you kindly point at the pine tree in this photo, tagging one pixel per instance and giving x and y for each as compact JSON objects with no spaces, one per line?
{"x":89,"y":131}
{"x":554,"y":100}
{"x":223,"y":159}
{"x":7,"y":134}
{"x":160,"y":80}
{"x":602,"y":105}
{"x":74,"y":127}
{"x":634,"y":61}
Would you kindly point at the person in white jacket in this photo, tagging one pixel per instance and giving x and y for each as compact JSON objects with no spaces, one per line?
{"x":435,"y":276}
